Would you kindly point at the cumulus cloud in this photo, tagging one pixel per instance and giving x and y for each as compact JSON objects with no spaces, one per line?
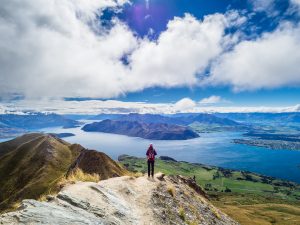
{"x":185,"y":104}
{"x":211,"y":100}
{"x":57,"y":48}
{"x":60,"y":49}
{"x":160,"y":63}
{"x":270,"y":61}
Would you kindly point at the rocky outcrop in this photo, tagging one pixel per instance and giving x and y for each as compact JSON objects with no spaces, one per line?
{"x":122,"y":200}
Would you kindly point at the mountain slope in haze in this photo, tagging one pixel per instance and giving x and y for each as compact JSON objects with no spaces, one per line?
{"x":181,"y":119}
{"x":31,"y":165}
{"x":289,"y":117}
{"x":211,"y":119}
{"x":7,"y":131}
{"x":150,"y":118}
{"x":155,"y":131}
{"x":37,"y":120}
{"x":124,"y":201}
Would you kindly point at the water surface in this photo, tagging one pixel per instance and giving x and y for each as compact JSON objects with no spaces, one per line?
{"x":214,"y":149}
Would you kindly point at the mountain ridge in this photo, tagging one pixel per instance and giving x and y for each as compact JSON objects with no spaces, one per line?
{"x":36,"y":120}
{"x":154,"y":131}
{"x":177,"y":119}
{"x":31,"y":165}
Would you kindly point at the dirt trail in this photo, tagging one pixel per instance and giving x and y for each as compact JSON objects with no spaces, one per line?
{"x":123,"y":201}
{"x":137,"y":193}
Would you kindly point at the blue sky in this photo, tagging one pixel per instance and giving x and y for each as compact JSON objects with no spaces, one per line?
{"x":216,"y":53}
{"x":155,"y":14}
{"x":274,"y":97}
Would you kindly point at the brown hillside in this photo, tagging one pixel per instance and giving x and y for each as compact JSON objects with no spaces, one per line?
{"x":31,"y":166}
{"x":91,"y":161}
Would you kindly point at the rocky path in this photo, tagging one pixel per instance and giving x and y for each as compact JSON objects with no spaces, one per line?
{"x":123,"y":201}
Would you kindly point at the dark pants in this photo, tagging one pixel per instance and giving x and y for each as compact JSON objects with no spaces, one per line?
{"x":150,"y":168}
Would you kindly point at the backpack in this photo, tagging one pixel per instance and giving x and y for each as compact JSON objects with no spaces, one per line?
{"x":151,"y":155}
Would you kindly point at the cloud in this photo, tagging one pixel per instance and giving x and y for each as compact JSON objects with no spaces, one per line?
{"x":270,"y":61}
{"x":262,"y":5}
{"x":60,"y":49}
{"x":57,"y":48}
{"x":184,"y":105}
{"x":294,"y":6}
{"x":160,"y":64}
{"x":295,"y":2}
{"x":93,"y":107}
{"x":211,"y":100}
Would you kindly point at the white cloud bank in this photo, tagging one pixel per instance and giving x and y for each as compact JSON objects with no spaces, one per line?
{"x":184,"y":104}
{"x":60,"y":49}
{"x":94,"y":107}
{"x":270,"y":61}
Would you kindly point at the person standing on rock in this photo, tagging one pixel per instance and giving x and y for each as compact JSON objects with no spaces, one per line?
{"x":151,"y":153}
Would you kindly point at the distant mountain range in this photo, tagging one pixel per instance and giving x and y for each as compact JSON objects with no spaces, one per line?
{"x":155,"y":131}
{"x":36,"y":121}
{"x":32,"y":164}
{"x":180,"y":119}
{"x":292,"y":117}
{"x":8,"y":132}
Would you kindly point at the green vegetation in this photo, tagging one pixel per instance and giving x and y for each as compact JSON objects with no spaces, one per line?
{"x":247,"y":197}
{"x":210,"y":128}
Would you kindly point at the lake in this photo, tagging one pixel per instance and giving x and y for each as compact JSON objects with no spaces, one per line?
{"x":214,"y":149}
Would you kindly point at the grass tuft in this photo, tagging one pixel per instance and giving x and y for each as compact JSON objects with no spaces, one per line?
{"x":215,"y":212}
{"x":181,"y":213}
{"x":192,"y":222}
{"x":171,"y":190}
{"x":16,"y":205}
{"x":78,"y":175}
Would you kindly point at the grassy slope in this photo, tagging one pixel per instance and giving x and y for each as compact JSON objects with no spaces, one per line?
{"x":32,"y":166}
{"x":91,"y":161}
{"x":253,"y":199}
